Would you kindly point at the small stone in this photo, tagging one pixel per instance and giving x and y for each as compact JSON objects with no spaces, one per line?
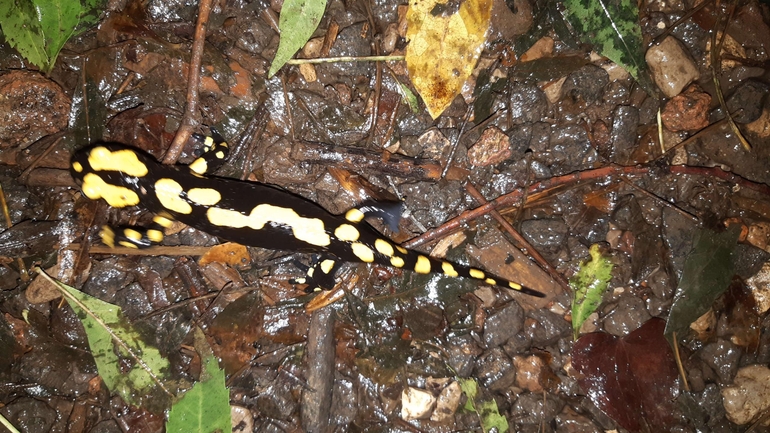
{"x":447,"y":403}
{"x":672,"y":67}
{"x":749,"y":396}
{"x":433,"y":143}
{"x":746,"y":103}
{"x":687,"y":111}
{"x":528,"y":372}
{"x":493,"y":147}
{"x":503,"y":324}
{"x":416,"y":403}
{"x":760,"y":288}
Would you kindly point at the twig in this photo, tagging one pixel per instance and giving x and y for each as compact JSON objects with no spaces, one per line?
{"x":190,"y":117}
{"x":457,"y":141}
{"x":8,"y":223}
{"x":534,"y":253}
{"x":660,"y":200}
{"x":345,"y":59}
{"x":514,"y":198}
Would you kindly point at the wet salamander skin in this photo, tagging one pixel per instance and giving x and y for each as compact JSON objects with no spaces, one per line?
{"x":249,"y":213}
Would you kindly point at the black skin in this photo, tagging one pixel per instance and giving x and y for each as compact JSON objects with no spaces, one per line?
{"x":243,"y":197}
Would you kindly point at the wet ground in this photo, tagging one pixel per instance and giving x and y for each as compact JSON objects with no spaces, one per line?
{"x":566,"y":146}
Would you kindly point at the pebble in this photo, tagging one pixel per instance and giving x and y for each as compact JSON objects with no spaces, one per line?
{"x":416,"y":403}
{"x":493,"y":147}
{"x":749,"y":396}
{"x":672,"y":67}
{"x":687,"y":111}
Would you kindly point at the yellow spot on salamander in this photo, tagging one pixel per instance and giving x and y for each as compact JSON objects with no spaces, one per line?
{"x":423,"y":265}
{"x":384,"y":247}
{"x":155,"y":235}
{"x":397,"y":262}
{"x":208,"y":142}
{"x":449,"y":269}
{"x":477,"y":274}
{"x":354,"y":215}
{"x":362,"y":252}
{"x":347,"y":233}
{"x":94,"y":187}
{"x":514,"y":286}
{"x":125,"y":161}
{"x":108,"y":236}
{"x":310,"y":230}
{"x":78,"y":167}
{"x":162,"y":221}
{"x":327,"y":266}
{"x":204,"y":196}
{"x":127,"y":244}
{"x":491,"y":281}
{"x":401,"y":249}
{"x":199,"y":166}
{"x":169,"y":193}
{"x":220,"y":155}
{"x":132,"y":234}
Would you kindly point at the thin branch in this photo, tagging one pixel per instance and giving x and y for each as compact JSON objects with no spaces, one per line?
{"x":190,"y":120}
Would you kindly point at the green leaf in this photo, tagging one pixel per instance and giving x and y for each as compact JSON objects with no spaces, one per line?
{"x":205,"y":408}
{"x":589,"y":284}
{"x":299,"y":19}
{"x":38,"y":29}
{"x":128,"y":366}
{"x":491,"y":420}
{"x":485,"y":408}
{"x":470,"y":389}
{"x":409,"y":97}
{"x":612,"y":28}
{"x":707,"y":273}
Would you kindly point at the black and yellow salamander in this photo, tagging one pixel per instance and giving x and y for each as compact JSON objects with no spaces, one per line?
{"x":249,"y":213}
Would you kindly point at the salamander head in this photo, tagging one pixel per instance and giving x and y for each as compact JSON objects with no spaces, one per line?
{"x":110,"y":171}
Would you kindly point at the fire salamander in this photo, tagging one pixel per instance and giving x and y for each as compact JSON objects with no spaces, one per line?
{"x":249,"y":213}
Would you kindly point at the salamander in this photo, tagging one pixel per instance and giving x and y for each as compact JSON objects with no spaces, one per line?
{"x":248,"y":213}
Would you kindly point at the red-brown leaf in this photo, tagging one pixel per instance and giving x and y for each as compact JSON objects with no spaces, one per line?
{"x":632,"y":379}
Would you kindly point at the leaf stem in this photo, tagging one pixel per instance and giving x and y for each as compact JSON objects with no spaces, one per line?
{"x":345,"y":59}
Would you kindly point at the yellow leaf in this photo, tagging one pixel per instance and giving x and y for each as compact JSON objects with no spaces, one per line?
{"x":445,"y":42}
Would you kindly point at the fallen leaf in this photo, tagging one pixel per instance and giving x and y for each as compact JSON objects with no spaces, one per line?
{"x":706,"y":275}
{"x":298,"y":21}
{"x":632,"y":379}
{"x":589,"y":285}
{"x":445,"y":42}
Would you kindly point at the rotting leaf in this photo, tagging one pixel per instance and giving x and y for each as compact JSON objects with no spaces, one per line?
{"x":612,"y":28}
{"x":38,"y":29}
{"x":298,"y":21}
{"x":707,"y":273}
{"x":589,"y":285}
{"x":206,"y":406}
{"x":485,"y":408}
{"x":632,"y":379}
{"x":141,"y":372}
{"x":445,"y":42}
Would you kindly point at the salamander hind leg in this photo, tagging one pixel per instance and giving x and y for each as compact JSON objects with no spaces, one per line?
{"x":135,"y":237}
{"x":320,"y":274}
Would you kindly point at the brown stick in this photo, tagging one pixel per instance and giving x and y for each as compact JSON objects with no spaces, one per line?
{"x":513,"y":198}
{"x":191,"y":115}
{"x":534,"y":253}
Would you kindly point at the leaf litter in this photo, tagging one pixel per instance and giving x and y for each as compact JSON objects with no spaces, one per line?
{"x":575,"y":116}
